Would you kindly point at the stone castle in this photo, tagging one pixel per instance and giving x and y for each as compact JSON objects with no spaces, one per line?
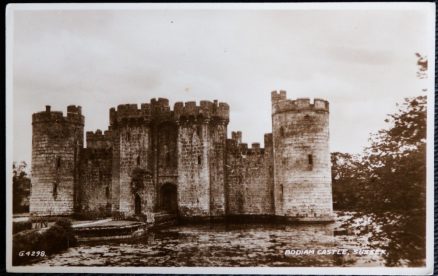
{"x":154,"y":159}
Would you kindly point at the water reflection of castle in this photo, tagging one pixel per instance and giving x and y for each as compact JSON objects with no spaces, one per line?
{"x":154,"y":159}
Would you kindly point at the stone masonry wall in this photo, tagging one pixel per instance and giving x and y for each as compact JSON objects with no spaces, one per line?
{"x":302,"y":173}
{"x":115,"y":171}
{"x":167,"y":162}
{"x":56,"y":144}
{"x":217,"y":142}
{"x":248,"y":179}
{"x":135,"y":152}
{"x":96,"y":175}
{"x":147,"y":148}
{"x":193,"y":170}
{"x":201,"y":140}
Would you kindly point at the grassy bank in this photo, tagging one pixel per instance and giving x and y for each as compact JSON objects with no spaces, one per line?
{"x":31,"y":245}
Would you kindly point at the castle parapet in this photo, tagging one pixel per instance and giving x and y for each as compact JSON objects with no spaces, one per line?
{"x":278,"y":96}
{"x":159,"y":110}
{"x":130,"y":112}
{"x":73,"y":110}
{"x":160,"y":105}
{"x":255,"y":147}
{"x":236,"y":136}
{"x":236,"y":146}
{"x":74,"y":116}
{"x":280,"y":103}
{"x":206,"y":109}
{"x":98,"y":139}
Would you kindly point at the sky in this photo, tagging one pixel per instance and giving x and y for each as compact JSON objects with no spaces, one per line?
{"x":361,"y":60}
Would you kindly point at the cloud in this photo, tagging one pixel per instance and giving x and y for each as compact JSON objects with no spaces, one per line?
{"x":362,"y":61}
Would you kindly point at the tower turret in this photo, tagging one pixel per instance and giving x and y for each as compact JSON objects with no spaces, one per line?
{"x":56,"y":144}
{"x":302,"y":171}
{"x":202,"y":131}
{"x":132,"y":163}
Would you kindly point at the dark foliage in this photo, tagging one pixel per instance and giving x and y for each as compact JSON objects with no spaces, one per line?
{"x":388,"y":182}
{"x":20,"y":188}
{"x":57,"y":237}
{"x":21,"y":226}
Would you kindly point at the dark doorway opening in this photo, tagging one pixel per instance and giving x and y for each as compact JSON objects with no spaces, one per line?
{"x":137,"y":206}
{"x":168,"y":195}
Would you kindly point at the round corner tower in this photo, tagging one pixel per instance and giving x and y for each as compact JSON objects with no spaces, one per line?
{"x":302,"y":168}
{"x":56,"y":144}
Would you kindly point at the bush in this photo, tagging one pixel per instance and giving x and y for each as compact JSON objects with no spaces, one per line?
{"x":68,"y":229}
{"x":117,"y":215}
{"x":21,"y":226}
{"x":64,"y":223}
{"x":58,"y":237}
{"x":28,"y":240}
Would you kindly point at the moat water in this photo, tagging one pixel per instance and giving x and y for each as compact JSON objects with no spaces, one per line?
{"x":222,"y":244}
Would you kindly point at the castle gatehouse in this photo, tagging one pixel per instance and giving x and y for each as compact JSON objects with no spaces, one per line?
{"x":181,"y":161}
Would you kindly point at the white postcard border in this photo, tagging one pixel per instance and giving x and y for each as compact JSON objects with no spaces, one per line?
{"x":430,"y":7}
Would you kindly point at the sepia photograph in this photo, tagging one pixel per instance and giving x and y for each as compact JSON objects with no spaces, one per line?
{"x":209,"y":138}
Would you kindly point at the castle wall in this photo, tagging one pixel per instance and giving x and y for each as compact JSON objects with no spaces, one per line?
{"x":96,"y":178}
{"x":302,"y":173}
{"x":167,"y":150}
{"x":129,"y":167}
{"x":167,"y":162}
{"x":193,"y":170}
{"x":133,"y":189}
{"x":115,"y":169}
{"x":217,"y":155}
{"x":98,"y":140}
{"x":201,"y":157}
{"x":250,"y":190}
{"x":56,"y":144}
{"x":269,"y":172}
{"x":135,"y":152}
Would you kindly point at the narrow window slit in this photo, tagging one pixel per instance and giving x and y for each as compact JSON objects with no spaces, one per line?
{"x":310,"y":159}
{"x":58,"y":162}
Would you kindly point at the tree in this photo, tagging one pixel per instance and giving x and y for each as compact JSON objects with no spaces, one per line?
{"x":394,"y":193}
{"x":20,"y":188}
{"x":422,"y":66}
{"x":347,"y":176}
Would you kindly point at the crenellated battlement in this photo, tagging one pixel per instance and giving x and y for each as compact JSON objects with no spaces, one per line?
{"x":159,"y":109}
{"x":235,"y":145}
{"x":74,"y":116}
{"x":74,"y":110}
{"x":278,"y":96}
{"x":160,"y":105}
{"x":98,"y":139}
{"x":243,"y":149}
{"x":127,"y":112}
{"x":237,"y":136}
{"x":280,"y":103}
{"x":205,"y":109}
{"x":193,"y":169}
